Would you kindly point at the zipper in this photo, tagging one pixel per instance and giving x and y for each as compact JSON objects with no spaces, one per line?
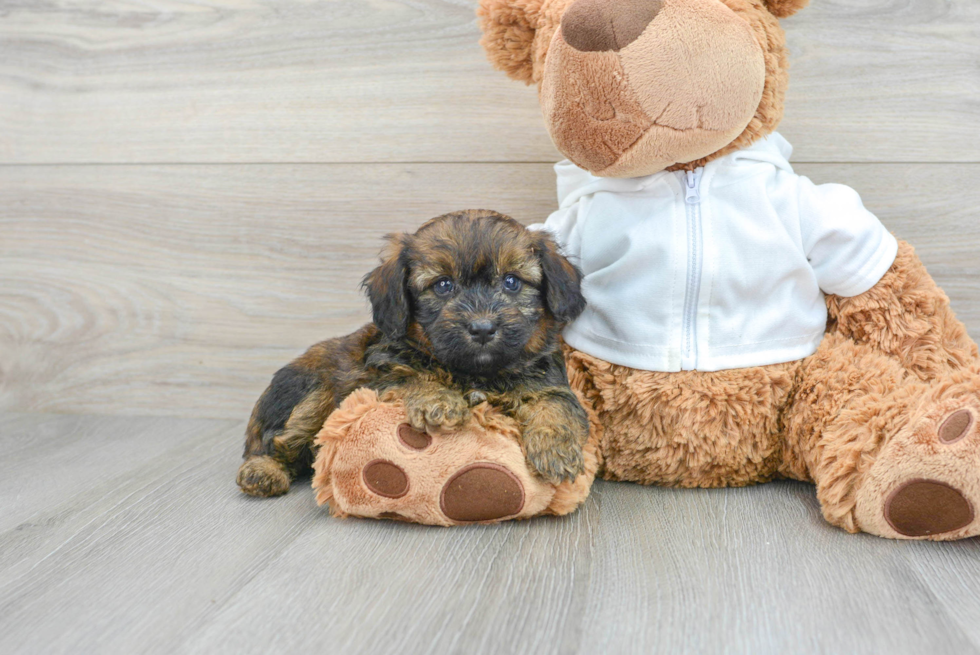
{"x":695,"y":256}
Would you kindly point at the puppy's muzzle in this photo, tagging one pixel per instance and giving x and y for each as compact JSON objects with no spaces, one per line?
{"x":482,"y":330}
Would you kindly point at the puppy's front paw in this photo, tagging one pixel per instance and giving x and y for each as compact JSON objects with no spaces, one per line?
{"x":437,"y":407}
{"x":554,"y":452}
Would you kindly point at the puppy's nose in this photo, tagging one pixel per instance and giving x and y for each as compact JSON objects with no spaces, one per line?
{"x":482,"y":330}
{"x":602,"y":25}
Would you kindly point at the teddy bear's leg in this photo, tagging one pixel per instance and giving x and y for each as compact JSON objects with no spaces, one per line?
{"x":890,"y":454}
{"x":906,"y":315}
{"x":688,"y":429}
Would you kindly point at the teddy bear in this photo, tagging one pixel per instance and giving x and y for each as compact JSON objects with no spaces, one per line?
{"x":743,"y":323}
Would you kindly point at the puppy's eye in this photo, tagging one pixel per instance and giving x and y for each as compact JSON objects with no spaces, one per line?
{"x":512,"y":283}
{"x":443,"y":286}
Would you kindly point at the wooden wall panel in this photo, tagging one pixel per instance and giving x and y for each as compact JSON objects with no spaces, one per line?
{"x":405,"y":81}
{"x":179,"y":289}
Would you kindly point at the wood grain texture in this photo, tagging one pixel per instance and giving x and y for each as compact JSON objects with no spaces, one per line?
{"x":179,"y":290}
{"x":163,"y":554}
{"x":406,"y":81}
{"x":182,"y":284}
{"x":256,"y":151}
{"x":47,"y":458}
{"x":132,"y":563}
{"x":761,"y":572}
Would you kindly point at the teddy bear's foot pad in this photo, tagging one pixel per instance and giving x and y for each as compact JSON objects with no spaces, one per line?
{"x":482,"y":492}
{"x":925,"y":482}
{"x":925,"y":507}
{"x":956,"y":426}
{"x":385,"y":479}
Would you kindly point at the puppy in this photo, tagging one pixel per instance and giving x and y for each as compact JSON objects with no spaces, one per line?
{"x":468,"y":309}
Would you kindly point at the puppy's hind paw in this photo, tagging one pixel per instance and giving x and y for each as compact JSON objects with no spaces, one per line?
{"x":263,"y":477}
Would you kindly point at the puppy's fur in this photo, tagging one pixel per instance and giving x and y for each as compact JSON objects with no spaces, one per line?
{"x":467,"y":309}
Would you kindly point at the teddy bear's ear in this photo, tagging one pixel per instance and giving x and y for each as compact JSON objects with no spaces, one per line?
{"x":785,"y":8}
{"x":508,"y":35}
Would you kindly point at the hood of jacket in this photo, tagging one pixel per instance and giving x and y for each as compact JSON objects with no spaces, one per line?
{"x":575,"y":182}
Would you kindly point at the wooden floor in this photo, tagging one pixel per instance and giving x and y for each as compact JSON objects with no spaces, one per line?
{"x":190,"y":192}
{"x":123,"y":535}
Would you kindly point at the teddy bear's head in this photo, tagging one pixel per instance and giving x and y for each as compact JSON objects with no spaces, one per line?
{"x":633,"y":87}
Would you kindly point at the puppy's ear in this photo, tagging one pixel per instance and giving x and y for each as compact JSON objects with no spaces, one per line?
{"x":387,"y":289}
{"x":562,"y":280}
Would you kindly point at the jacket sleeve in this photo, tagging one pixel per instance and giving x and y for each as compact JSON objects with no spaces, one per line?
{"x":564,"y":227}
{"x":847,"y":246}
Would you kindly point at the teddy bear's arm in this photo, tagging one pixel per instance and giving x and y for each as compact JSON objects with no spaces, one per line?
{"x":906,"y":315}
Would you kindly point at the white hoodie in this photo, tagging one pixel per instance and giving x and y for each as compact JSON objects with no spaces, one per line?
{"x":725,"y":267}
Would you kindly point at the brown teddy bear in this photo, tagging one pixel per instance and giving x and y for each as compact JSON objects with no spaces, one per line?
{"x":744,"y":324}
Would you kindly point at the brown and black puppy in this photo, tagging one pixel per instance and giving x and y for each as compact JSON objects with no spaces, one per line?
{"x":467,"y":309}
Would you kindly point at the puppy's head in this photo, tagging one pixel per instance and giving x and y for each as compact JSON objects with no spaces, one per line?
{"x":476,"y":290}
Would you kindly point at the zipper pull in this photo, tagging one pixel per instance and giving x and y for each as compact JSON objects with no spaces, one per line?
{"x":693,"y":196}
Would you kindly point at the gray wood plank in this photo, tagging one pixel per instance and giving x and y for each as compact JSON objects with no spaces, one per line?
{"x":189,"y":282}
{"x":387,"y":587}
{"x":169,"y":557}
{"x":179,"y":290}
{"x":132,"y":563}
{"x":864,"y":80}
{"x":405,"y":80}
{"x":757,"y":570}
{"x":952,"y":575}
{"x":47,"y":458}
{"x":160,"y":559}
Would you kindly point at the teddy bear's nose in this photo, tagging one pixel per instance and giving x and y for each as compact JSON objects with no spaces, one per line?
{"x":602,"y":25}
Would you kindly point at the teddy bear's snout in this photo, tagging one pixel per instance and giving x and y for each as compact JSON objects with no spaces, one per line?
{"x":604,"y":25}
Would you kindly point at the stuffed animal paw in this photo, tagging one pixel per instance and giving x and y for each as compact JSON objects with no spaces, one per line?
{"x":372,"y":463}
{"x":925,"y":482}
